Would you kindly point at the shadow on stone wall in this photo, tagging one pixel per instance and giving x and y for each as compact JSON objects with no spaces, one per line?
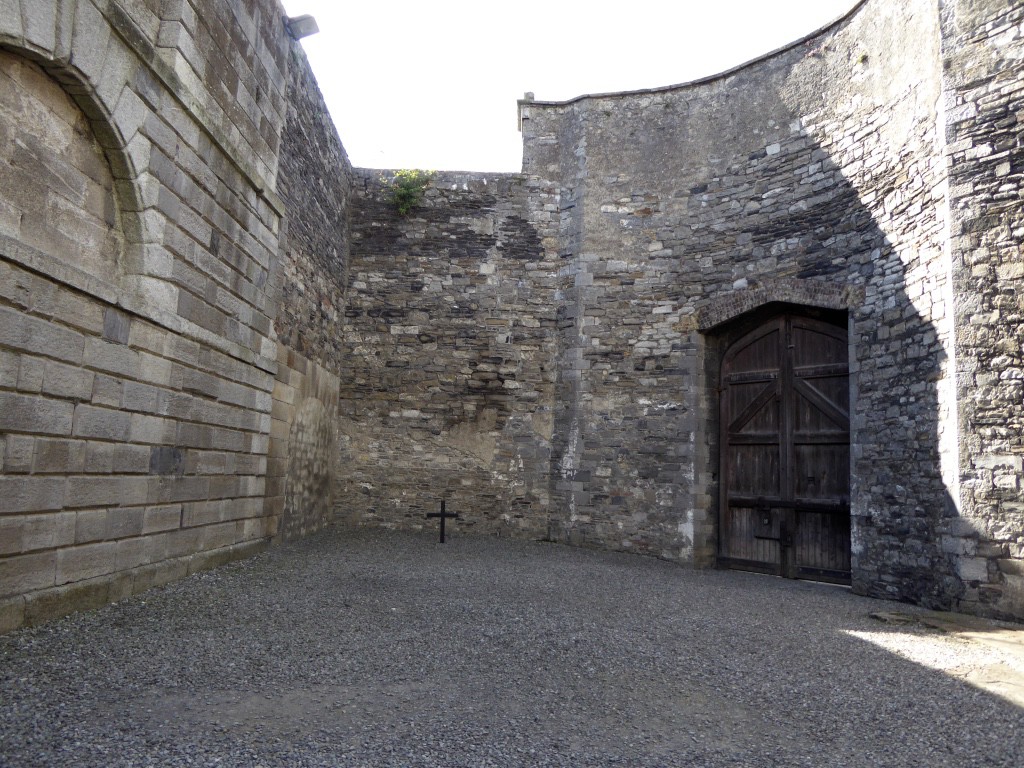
{"x":431,"y":296}
{"x":811,"y":177}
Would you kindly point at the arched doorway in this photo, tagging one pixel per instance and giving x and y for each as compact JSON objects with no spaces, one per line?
{"x":785,"y":450}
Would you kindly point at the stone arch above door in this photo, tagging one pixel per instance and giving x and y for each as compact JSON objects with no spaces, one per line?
{"x":810,"y":293}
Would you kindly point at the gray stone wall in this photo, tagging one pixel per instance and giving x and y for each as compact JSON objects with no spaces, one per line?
{"x":214,"y":331}
{"x":983,"y":46}
{"x":302,"y":465}
{"x":233,"y":58}
{"x":809,"y":177}
{"x":141,"y":265}
{"x":60,"y":187}
{"x":448,"y":386}
{"x":314,"y":181}
{"x":815,"y":177}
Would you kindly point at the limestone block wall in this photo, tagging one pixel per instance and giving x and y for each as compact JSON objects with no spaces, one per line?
{"x":233,"y":58}
{"x":214,"y":331}
{"x":448,"y":385}
{"x":983,"y":46}
{"x":140,"y":275}
{"x":60,"y":189}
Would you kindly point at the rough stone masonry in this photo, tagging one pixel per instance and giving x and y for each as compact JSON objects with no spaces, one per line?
{"x":215,"y":332}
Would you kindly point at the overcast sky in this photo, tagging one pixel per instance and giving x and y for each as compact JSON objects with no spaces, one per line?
{"x":434,"y":84}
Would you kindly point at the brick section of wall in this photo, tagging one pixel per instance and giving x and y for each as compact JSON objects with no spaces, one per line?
{"x":448,"y":385}
{"x":984,"y":51}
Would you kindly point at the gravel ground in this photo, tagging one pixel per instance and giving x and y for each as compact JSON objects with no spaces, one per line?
{"x":366,"y":648}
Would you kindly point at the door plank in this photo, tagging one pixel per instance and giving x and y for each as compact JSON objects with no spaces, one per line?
{"x":766,"y":396}
{"x":840,"y":416}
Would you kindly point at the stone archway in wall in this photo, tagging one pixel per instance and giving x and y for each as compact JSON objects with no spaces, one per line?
{"x":778,"y":438}
{"x":59,"y":202}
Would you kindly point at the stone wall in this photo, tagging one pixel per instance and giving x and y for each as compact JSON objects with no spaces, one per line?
{"x":983,"y":45}
{"x":448,"y":386}
{"x":302,"y":465}
{"x":141,"y":267}
{"x":810,"y":177}
{"x":61,"y":189}
{"x":214,"y":331}
{"x":904,"y":439}
{"x":314,"y":180}
{"x":232,"y":58}
{"x":816,"y":177}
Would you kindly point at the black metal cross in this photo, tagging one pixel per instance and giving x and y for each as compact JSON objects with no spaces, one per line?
{"x":444,"y":516}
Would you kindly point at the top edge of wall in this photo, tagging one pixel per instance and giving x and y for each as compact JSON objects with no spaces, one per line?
{"x":834,"y":24}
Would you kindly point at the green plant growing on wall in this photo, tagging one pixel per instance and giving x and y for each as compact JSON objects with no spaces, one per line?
{"x":406,"y":189}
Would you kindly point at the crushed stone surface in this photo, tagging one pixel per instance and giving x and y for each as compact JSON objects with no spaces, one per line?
{"x":373,"y":648}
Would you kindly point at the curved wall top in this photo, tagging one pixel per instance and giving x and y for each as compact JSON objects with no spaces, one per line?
{"x":865,"y":55}
{"x":822,"y":30}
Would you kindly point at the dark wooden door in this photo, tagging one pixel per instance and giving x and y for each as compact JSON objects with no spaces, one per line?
{"x":785,"y":451}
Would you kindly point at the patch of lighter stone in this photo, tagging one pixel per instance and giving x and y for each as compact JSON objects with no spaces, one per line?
{"x":568,"y":463}
{"x":666,"y":405}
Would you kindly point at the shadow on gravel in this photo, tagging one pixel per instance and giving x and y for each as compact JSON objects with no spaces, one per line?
{"x":363,"y":648}
{"x":986,"y":654}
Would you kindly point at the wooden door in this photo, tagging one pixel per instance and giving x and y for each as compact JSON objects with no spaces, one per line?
{"x":785,"y":451}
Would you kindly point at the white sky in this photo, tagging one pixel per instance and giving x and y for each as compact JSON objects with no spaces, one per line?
{"x":433,"y":83}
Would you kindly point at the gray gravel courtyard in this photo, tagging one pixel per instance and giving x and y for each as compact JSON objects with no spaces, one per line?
{"x":369,"y":648}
